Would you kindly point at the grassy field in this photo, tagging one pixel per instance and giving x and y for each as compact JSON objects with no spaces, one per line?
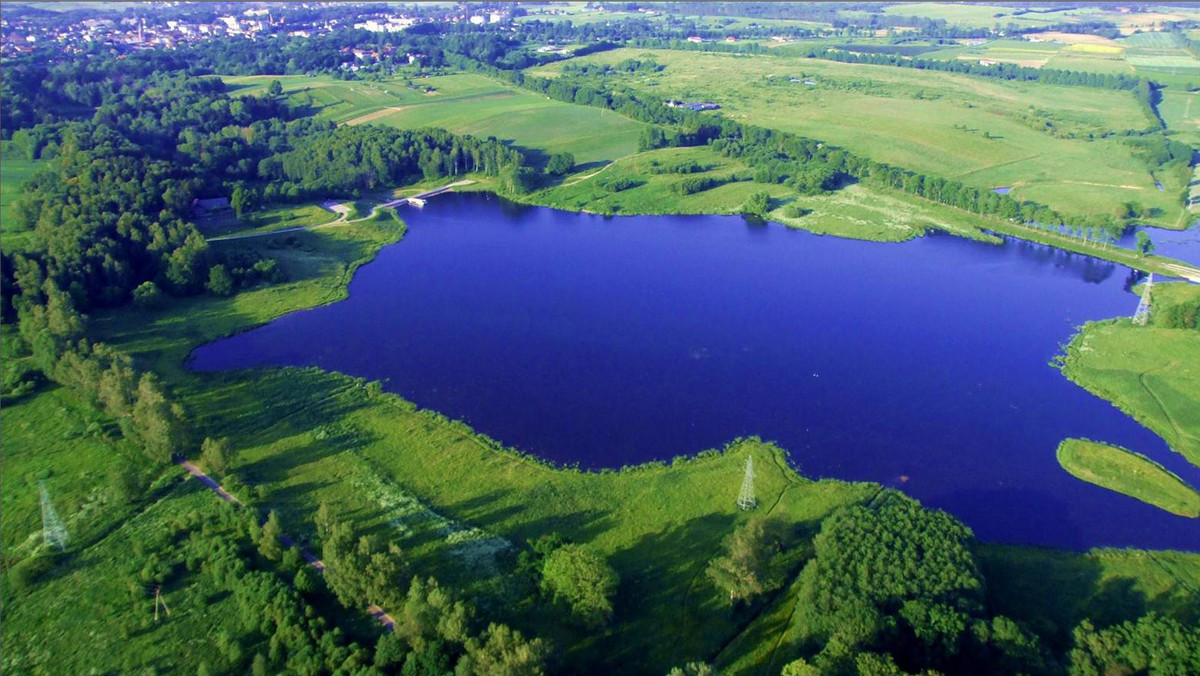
{"x":1151,"y":373}
{"x":1129,"y":473}
{"x":854,"y":212}
{"x":13,"y":172}
{"x":465,"y":104}
{"x":985,"y":133}
{"x":53,"y":441}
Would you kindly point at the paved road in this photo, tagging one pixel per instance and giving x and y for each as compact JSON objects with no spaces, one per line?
{"x":373,"y":610}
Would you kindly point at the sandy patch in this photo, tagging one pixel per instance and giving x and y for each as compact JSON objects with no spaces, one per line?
{"x":371,"y":117}
{"x":1078,"y":39}
{"x":1088,"y":48}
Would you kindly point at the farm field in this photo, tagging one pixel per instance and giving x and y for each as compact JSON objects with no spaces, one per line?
{"x":987,"y":16}
{"x":984,"y":133}
{"x":465,"y":104}
{"x":1181,"y":112}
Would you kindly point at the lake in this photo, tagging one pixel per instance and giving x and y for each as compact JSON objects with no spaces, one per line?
{"x":607,"y":341}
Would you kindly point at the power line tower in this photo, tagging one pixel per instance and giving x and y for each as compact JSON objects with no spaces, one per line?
{"x":1142,"y":314}
{"x":746,"y":499}
{"x":54,"y":533}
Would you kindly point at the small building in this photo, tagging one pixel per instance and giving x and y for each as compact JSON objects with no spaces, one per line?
{"x":695,"y":38}
{"x":210,"y":204}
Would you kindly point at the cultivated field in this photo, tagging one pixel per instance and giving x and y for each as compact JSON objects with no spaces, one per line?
{"x":465,"y":104}
{"x":985,"y":133}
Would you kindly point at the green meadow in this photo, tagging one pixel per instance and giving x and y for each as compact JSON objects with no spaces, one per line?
{"x":982,"y":132}
{"x":1129,"y":473}
{"x":1150,"y":372}
{"x":14,"y":172}
{"x":465,"y":104}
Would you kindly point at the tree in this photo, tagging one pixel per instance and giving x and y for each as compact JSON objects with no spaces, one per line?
{"x":560,"y":163}
{"x":305,"y":581}
{"x":1151,"y":645}
{"x":125,"y":482}
{"x":758,"y":204}
{"x":502,"y":651}
{"x":242,"y":200}
{"x":220,"y":282}
{"x":268,"y":538}
{"x":584,"y":580}
{"x":157,"y":422}
{"x":1144,"y":245}
{"x":216,"y":455}
{"x":275,"y":89}
{"x":147,"y":296}
{"x":745,"y":570}
{"x":515,"y":179}
{"x":694,"y":669}
{"x":390,"y":652}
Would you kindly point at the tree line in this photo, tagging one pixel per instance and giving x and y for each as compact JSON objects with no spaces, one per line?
{"x":113,"y":206}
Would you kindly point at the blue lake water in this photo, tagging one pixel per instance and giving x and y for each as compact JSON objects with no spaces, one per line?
{"x":1181,"y":245}
{"x":612,"y":341}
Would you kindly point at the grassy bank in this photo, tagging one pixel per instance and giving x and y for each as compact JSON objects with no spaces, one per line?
{"x":1129,"y":473}
{"x":1149,"y":372}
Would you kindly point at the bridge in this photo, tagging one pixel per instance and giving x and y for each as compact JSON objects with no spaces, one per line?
{"x":421,"y":199}
{"x":415,"y":200}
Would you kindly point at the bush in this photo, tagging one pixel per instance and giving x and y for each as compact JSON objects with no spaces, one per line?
{"x":618,"y":183}
{"x":147,"y":296}
{"x":584,"y":580}
{"x":689,"y":186}
{"x":220,"y":282}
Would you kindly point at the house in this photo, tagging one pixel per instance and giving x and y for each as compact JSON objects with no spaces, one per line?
{"x":209,"y":205}
{"x":700,"y":105}
{"x":696,"y":39}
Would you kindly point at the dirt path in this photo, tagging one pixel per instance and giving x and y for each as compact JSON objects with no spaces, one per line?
{"x":373,"y":610}
{"x":371,"y":117}
{"x":601,"y":169}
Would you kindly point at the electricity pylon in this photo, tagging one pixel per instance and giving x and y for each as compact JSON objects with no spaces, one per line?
{"x":54,"y":533}
{"x":746,"y":497}
{"x":1142,"y":314}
